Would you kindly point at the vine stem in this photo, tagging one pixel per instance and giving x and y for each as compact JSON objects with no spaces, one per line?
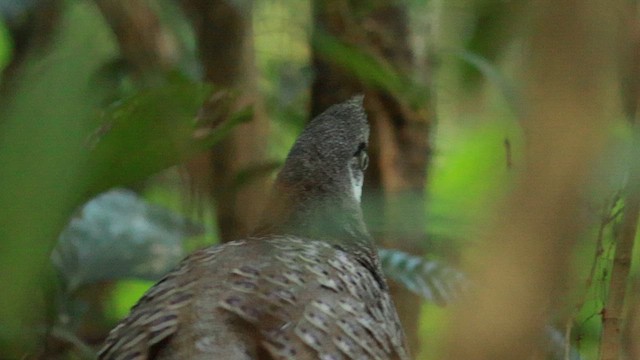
{"x":612,"y":315}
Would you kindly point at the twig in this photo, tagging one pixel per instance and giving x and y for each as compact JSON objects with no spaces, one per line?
{"x":606,"y":217}
{"x":612,"y":313}
{"x":508,"y":154}
{"x":567,"y":339}
{"x":632,"y":330}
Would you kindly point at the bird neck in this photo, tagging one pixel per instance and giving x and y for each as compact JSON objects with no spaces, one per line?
{"x":335,"y":219}
{"x":308,"y":213}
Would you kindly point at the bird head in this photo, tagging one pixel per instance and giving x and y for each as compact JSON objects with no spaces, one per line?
{"x":317,"y":193}
{"x":330,"y":155}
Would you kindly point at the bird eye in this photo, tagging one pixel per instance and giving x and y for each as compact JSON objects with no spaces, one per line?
{"x":361,"y":155}
{"x":363,"y":160}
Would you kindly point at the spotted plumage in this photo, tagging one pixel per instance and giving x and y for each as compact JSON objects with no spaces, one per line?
{"x":307,"y":286}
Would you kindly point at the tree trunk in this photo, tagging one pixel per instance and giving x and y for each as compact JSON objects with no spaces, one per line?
{"x":399,"y":145}
{"x":225,"y":40}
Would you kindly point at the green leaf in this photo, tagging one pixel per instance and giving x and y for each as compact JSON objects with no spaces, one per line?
{"x":151,"y":131}
{"x":42,"y":127}
{"x":5,"y":46}
{"x":49,"y":167}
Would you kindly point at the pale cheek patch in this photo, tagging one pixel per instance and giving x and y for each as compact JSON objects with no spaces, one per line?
{"x":356,"y":184}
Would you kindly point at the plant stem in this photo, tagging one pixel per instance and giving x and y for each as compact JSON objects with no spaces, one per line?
{"x":613,"y":312}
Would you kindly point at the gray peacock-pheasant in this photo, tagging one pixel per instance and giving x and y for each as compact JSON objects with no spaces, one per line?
{"x":307,"y":285}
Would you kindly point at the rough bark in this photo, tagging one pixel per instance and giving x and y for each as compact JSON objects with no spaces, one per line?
{"x":225,"y":41}
{"x":525,"y":257}
{"x":399,"y":145}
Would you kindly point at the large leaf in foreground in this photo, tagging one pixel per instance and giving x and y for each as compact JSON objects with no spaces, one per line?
{"x":153,"y":130}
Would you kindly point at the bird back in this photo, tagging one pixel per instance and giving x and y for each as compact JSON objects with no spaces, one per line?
{"x":296,"y":299}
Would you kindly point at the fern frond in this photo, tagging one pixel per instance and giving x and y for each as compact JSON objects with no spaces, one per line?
{"x":429,"y":278}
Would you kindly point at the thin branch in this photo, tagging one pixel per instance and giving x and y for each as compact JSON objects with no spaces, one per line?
{"x":567,"y":339}
{"x":632,"y":330}
{"x":608,"y":215}
{"x":613,"y":312}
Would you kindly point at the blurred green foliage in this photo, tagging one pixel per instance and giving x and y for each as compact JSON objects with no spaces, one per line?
{"x":43,"y":128}
{"x":56,"y":151}
{"x":152,"y":131}
{"x":126,"y":293}
{"x":5,"y":46}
